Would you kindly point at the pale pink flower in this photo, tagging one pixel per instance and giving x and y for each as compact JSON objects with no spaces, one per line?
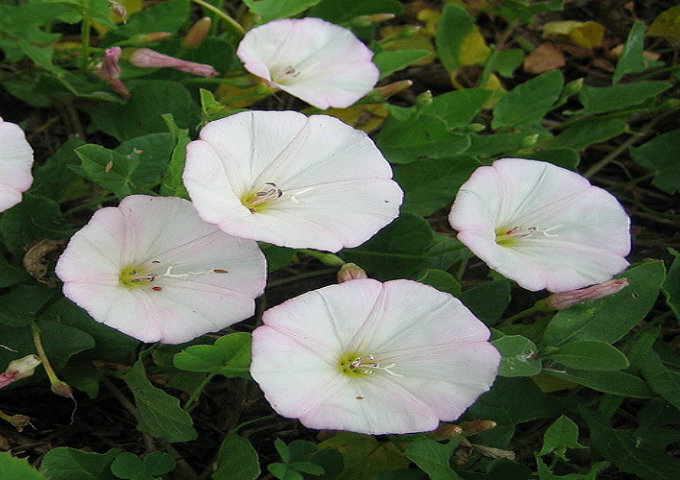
{"x":16,"y":160}
{"x":319,"y":62}
{"x":562,"y":300}
{"x":371,"y":357}
{"x":147,"y":58}
{"x":291,"y":180}
{"x":541,"y":225}
{"x":109,"y":70}
{"x":154,"y":270}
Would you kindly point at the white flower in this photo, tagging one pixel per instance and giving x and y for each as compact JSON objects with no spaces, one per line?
{"x":154,"y":270}
{"x":541,"y":225}
{"x":371,"y":357}
{"x":16,"y":160}
{"x":291,"y":180}
{"x":323,"y":64}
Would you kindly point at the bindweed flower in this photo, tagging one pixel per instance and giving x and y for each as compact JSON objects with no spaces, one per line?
{"x":291,"y":180}
{"x":154,"y":270}
{"x":147,"y":58}
{"x":371,"y":357}
{"x":562,"y":300}
{"x":541,"y":225}
{"x":319,"y":62}
{"x":16,"y":160}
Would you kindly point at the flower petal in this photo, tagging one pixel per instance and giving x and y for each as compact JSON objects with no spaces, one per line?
{"x":194,"y":278}
{"x":317,"y":61}
{"x":16,"y":160}
{"x":571,"y":234}
{"x":334,"y":185}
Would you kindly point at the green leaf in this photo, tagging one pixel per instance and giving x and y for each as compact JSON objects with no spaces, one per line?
{"x":41,"y":56}
{"x":142,"y":114}
{"x":364,"y":456}
{"x":590,"y":355}
{"x":621,"y":448}
{"x":236,"y":459}
{"x":660,"y":155}
{"x":65,"y":463}
{"x":528,"y":102}
{"x":159,"y":413}
{"x":108,"y":169}
{"x":283,"y":471}
{"x":389,"y":62}
{"x":544,"y":472}
{"x":420,"y":137}
{"x":615,"y":382}
{"x":433,"y":458}
{"x":559,"y":436}
{"x":159,"y":463}
{"x":15,"y":469}
{"x":56,"y":179}
{"x":505,"y":62}
{"x":510,"y":402}
{"x":458,"y":108}
{"x":128,"y":465}
{"x":431,"y":184}
{"x":610,"y":318}
{"x":35,"y":218}
{"x":661,"y":380}
{"x":631,"y":59}
{"x":518,"y":356}
{"x":172,"y":183}
{"x":671,"y":286}
{"x":166,"y":16}
{"x":488,"y":300}
{"x":277,"y":257}
{"x":397,"y":251}
{"x":457,"y":39}
{"x":272,"y":9}
{"x":229,"y":356}
{"x":20,"y":305}
{"x":617,"y":97}
{"x":582,"y":134}
{"x":442,"y":281}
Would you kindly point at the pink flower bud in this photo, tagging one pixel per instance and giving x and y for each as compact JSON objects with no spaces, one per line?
{"x":147,"y":58}
{"x":197,"y":33}
{"x":560,"y":301}
{"x":350,"y":271}
{"x":109,"y":68}
{"x":149,"y":37}
{"x":18,"y":369}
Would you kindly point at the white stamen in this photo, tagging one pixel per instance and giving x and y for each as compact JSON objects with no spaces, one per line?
{"x":370,"y":366}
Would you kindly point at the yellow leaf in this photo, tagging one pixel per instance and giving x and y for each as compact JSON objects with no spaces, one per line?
{"x":494,"y":84}
{"x":667,"y":24}
{"x":366,"y":117}
{"x":583,"y":34}
{"x":473,"y":50}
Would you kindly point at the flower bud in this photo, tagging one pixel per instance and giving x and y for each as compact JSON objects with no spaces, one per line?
{"x":384,"y":92}
{"x":477,"y":426}
{"x":18,"y":369}
{"x":447,"y":431}
{"x":148,"y":37}
{"x":560,"y":301}
{"x":62,"y":389}
{"x":424,"y":99}
{"x":18,"y":421}
{"x":147,"y":58}
{"x":350,"y":271}
{"x":197,"y":33}
{"x":118,"y":9}
{"x":368,"y":20}
{"x":109,"y":68}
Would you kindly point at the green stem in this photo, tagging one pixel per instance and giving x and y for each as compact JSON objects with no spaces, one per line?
{"x":85,"y":37}
{"x":234,"y":26}
{"x":197,"y":392}
{"x":326,"y":258}
{"x":127,"y":404}
{"x":43,"y":357}
{"x":538,"y":307}
{"x":301,"y":276}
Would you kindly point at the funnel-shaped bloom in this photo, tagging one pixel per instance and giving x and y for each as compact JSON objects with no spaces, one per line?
{"x":319,"y":62}
{"x":154,"y":270}
{"x":373,"y":357}
{"x":541,"y":225}
{"x":290,"y":180}
{"x":16,"y":160}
